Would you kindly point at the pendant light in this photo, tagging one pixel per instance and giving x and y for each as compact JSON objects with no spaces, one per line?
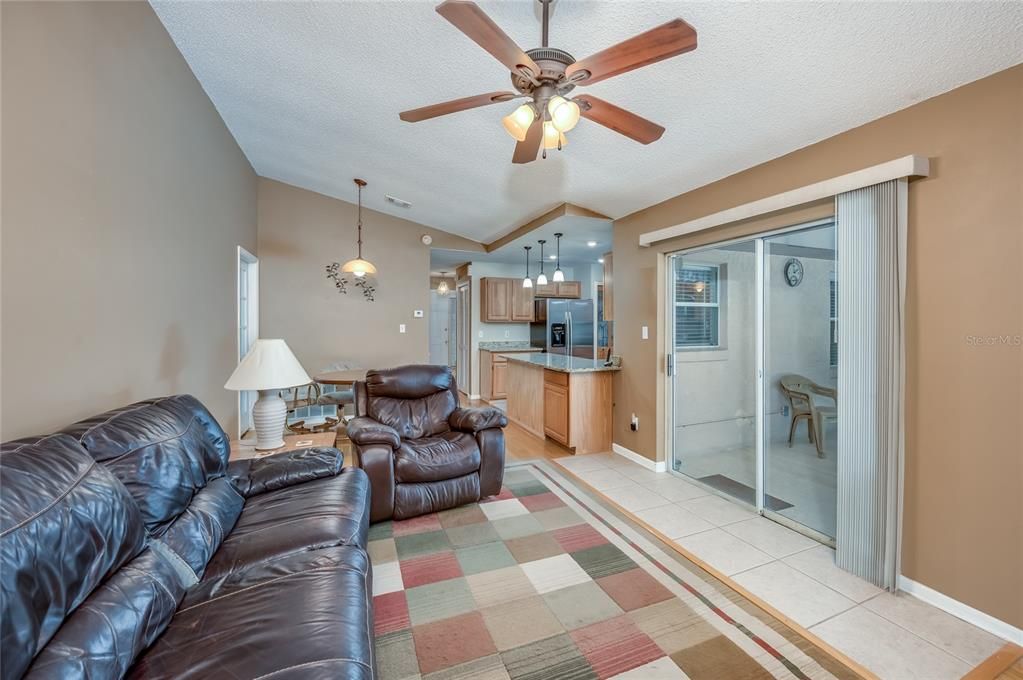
{"x":541,"y":279}
{"x":558,"y":274}
{"x":359,"y":267}
{"x":442,"y":287}
{"x":527,"y":282}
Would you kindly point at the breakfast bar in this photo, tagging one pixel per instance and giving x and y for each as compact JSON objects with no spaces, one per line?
{"x":562,"y":397}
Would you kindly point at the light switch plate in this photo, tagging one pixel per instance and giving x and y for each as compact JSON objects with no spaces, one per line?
{"x":417,"y":314}
{"x":401,"y":328}
{"x":646,"y":332}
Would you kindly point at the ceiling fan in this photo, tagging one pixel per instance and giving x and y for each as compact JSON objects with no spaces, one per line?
{"x":546,"y":75}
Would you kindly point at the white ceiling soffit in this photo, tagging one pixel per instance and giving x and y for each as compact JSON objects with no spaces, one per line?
{"x":312,"y":91}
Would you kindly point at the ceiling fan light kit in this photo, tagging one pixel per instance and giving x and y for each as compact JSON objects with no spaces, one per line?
{"x":546,"y":75}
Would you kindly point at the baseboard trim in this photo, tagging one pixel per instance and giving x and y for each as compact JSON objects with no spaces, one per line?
{"x":474,"y":397}
{"x":963,"y":611}
{"x":656,"y":466}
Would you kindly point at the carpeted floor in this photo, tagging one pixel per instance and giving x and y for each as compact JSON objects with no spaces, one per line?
{"x":545,"y":582}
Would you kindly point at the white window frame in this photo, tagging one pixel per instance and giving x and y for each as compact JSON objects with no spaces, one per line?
{"x":248,"y":263}
{"x":719,"y":305}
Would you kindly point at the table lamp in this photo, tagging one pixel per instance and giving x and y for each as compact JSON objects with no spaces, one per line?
{"x":268,"y":367}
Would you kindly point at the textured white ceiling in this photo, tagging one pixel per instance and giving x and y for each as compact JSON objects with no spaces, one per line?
{"x":312,"y":93}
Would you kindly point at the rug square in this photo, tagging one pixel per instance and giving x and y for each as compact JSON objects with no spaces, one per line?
{"x":557,"y":518}
{"x":416,"y":525}
{"x":518,"y":475}
{"x":457,"y":517}
{"x":542,"y":501}
{"x":552,"y":573}
{"x":501,"y":585}
{"x":425,"y":543}
{"x":581,"y":605}
{"x":440,"y":600}
{"x":516,"y":527}
{"x":484,"y":557}
{"x":534,"y":547}
{"x":380,"y":530}
{"x":528,"y":488}
{"x":719,"y":657}
{"x":472,"y":534}
{"x":450,"y":642}
{"x":603,"y":560}
{"x":390,"y":613}
{"x":553,"y":658}
{"x":509,"y":507}
{"x":519,"y":622}
{"x":579,"y":537}
{"x":615,"y":646}
{"x":396,"y":655}
{"x":419,"y":571}
{"x":634,"y":589}
{"x":387,"y":578}
{"x":504,"y":495}
{"x":660,"y":669}
{"x":383,"y":550}
{"x":673,"y":625}
{"x":485,"y":668}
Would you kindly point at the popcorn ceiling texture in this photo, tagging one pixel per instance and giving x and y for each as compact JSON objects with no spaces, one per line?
{"x":312,"y":92}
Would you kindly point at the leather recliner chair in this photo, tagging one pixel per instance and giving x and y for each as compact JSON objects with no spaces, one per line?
{"x":421,"y":451}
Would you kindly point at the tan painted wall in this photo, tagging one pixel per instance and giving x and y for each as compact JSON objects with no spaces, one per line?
{"x":300,"y":232}
{"x":124,"y":198}
{"x":964,"y":457}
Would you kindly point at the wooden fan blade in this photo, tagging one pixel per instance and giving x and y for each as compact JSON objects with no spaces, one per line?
{"x":444,"y":108}
{"x":474,"y":22}
{"x":526,"y":150}
{"x":665,"y":41}
{"x":618,"y":119}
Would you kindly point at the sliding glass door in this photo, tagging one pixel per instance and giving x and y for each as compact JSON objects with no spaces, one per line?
{"x":753,"y":361}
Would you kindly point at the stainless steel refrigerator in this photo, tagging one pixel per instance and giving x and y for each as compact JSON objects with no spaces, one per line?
{"x":563,"y":327}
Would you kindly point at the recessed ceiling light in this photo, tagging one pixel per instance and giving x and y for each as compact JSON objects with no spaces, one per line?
{"x":591,"y":244}
{"x":600,"y":260}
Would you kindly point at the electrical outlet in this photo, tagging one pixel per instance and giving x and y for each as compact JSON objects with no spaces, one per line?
{"x":507,"y":334}
{"x":417,"y":314}
{"x":785,"y":411}
{"x":634,"y":423}
{"x":645,"y":332}
{"x":401,"y":328}
{"x":481,"y":335}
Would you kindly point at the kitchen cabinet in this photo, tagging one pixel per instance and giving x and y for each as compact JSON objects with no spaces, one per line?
{"x":504,"y":300}
{"x":555,"y":406}
{"x":609,"y":298}
{"x":494,"y":373}
{"x":562,"y":289}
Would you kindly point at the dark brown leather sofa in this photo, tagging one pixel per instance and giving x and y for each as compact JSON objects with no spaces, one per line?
{"x":131,"y":548}
{"x":421,"y":451}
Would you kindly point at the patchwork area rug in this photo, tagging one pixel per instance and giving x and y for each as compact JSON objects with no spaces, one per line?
{"x":546,"y":582}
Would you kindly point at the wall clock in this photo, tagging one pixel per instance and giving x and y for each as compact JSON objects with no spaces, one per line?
{"x":794,"y":272}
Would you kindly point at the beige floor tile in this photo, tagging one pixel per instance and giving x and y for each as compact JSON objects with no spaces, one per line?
{"x":724,"y":552}
{"x":794,"y":593}
{"x":955,"y":636}
{"x":819,"y":564}
{"x":888,"y":650}
{"x":592,"y":461}
{"x":603,"y":478}
{"x":717,"y":510}
{"x":675,"y":489}
{"x":771,"y":537}
{"x":634,"y":497}
{"x":674,"y":521}
{"x":642,"y":475}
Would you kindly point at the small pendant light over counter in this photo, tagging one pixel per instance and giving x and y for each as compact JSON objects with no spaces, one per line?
{"x":359,"y":267}
{"x":443,"y":288}
{"x":541,"y":279}
{"x":527,"y":282}
{"x":558,"y":274}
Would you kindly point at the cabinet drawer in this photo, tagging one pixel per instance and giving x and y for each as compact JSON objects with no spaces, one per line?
{"x":555,"y":378}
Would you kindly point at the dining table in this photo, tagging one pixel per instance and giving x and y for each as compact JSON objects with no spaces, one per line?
{"x":346,"y":377}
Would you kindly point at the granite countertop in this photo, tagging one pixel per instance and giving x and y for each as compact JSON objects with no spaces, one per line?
{"x":508,"y":346}
{"x":562,"y":363}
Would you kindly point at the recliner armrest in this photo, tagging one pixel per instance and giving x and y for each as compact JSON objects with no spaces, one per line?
{"x":474,"y":420}
{"x":365,"y":431}
{"x":253,"y":476}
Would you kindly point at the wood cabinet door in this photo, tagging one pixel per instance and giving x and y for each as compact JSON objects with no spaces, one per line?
{"x":570,"y":289}
{"x":499,"y":380}
{"x":521,"y":302}
{"x":555,"y":412}
{"x":496,"y":299}
{"x":609,"y":298}
{"x":547,"y":290}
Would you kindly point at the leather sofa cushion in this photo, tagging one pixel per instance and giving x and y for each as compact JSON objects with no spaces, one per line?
{"x":66,"y":525}
{"x":308,"y":615}
{"x":413,"y":500}
{"x":197,"y":533}
{"x":325,"y":512}
{"x":164,"y":450}
{"x":253,"y":476}
{"x":432,"y":459}
{"x":414,"y":418}
{"x":102,"y":638}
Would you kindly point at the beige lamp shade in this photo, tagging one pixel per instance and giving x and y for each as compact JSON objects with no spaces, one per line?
{"x":269,"y":365}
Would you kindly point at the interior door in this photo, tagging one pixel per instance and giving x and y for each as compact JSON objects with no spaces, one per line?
{"x":248,"y":328}
{"x":463,"y":317}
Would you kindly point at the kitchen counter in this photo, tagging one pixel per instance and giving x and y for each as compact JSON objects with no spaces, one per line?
{"x":508,"y":346}
{"x":563,"y":363}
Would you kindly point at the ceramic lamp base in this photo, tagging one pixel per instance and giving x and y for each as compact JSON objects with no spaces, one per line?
{"x":268,"y":416}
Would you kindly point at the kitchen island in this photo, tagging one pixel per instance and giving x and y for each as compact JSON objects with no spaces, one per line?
{"x":562,"y":397}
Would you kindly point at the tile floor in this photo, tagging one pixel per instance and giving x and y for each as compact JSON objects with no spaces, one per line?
{"x":894,"y":635}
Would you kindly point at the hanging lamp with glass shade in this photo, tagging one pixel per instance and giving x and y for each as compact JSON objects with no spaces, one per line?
{"x":359,"y":267}
{"x":442,"y":287}
{"x":541,"y":279}
{"x":527,"y":282}
{"x":558,"y":274}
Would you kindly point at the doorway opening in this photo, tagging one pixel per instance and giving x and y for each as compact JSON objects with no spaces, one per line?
{"x":248,"y":327}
